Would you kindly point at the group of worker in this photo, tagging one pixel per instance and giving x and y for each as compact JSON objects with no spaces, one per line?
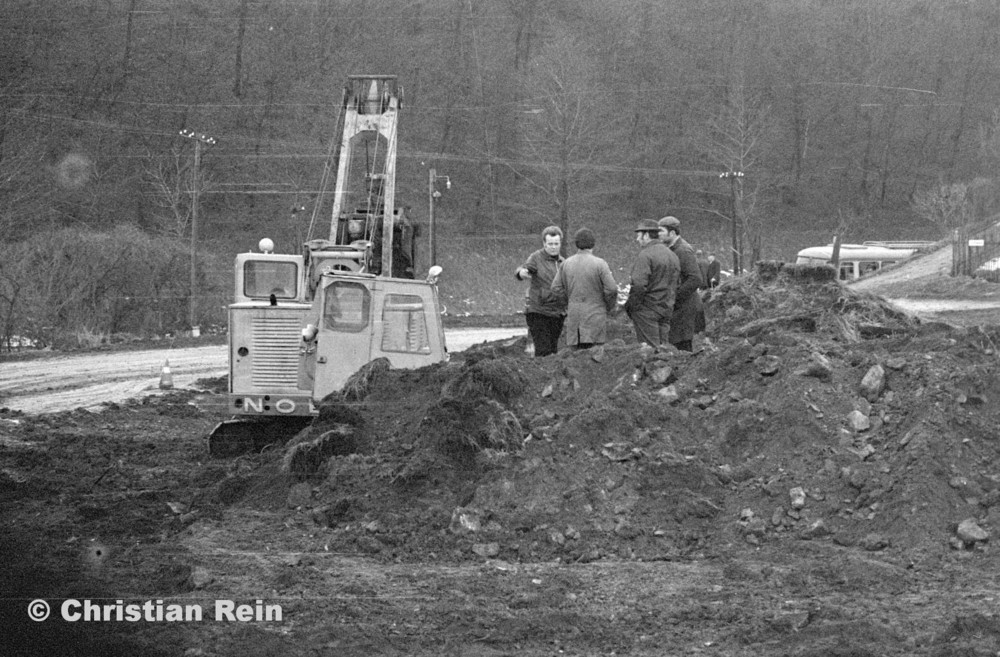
{"x":578,"y":294}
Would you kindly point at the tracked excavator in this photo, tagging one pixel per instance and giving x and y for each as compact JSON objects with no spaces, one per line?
{"x":301,"y":324}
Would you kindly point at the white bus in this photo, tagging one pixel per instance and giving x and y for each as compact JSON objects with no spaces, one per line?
{"x":856,"y":260}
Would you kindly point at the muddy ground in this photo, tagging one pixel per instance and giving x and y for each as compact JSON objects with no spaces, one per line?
{"x":819,"y":478}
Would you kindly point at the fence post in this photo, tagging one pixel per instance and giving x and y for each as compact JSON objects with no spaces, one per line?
{"x":956,"y":252}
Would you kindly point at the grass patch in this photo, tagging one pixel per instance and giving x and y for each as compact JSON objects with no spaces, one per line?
{"x":479,"y":271}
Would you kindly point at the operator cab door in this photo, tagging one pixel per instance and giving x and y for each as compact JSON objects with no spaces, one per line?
{"x":363,"y":318}
{"x":343,"y":341}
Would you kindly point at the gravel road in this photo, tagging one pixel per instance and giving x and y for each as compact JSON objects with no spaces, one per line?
{"x":62,"y":383}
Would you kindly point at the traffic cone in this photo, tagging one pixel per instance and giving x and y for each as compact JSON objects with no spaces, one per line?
{"x":166,"y":378}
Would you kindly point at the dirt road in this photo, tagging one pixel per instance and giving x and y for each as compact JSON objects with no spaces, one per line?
{"x":63,"y":383}
{"x":957,"y":312}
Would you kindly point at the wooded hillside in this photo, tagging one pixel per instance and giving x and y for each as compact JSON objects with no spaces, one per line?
{"x":871,"y":118}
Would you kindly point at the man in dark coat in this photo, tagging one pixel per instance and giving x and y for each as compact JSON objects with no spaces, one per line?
{"x":653,"y":285}
{"x":688,"y":309}
{"x":543,"y":312}
{"x":702,"y":266}
{"x":714,"y":271}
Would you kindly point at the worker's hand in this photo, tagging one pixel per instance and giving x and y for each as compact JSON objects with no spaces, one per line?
{"x":523,"y":273}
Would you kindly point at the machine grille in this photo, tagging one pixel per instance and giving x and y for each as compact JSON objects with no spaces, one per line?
{"x":276,"y":351}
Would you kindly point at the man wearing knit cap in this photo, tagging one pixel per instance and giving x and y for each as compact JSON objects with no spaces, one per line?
{"x":688,"y":309}
{"x":653,"y":281}
{"x":585,"y":283}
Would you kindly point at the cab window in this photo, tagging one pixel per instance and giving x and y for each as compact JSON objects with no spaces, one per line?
{"x":262,"y":278}
{"x":868,"y":266}
{"x":345,"y":307}
{"x":404,"y":325}
{"x":846,"y":271}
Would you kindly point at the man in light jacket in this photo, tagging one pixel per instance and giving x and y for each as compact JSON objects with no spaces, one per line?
{"x":585,"y":283}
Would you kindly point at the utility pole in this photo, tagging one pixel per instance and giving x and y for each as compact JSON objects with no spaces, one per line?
{"x":199,"y":139}
{"x":432,"y":196}
{"x":735,"y":179}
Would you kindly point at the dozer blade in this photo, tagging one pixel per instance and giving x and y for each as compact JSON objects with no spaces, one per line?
{"x":251,"y":435}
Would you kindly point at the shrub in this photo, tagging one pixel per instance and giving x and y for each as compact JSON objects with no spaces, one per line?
{"x":60,"y":285}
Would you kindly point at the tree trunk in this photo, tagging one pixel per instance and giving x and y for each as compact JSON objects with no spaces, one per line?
{"x":241,"y":31}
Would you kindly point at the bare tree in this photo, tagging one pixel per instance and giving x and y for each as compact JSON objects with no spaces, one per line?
{"x":947,"y":206}
{"x":171,"y":180}
{"x":22,"y":193}
{"x":732,"y":139}
{"x":569,"y":132}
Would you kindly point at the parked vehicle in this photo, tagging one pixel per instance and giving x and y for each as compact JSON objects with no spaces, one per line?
{"x":857,"y":260}
{"x":989,"y":270}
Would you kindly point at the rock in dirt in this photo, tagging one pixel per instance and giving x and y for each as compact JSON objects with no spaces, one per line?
{"x":200,"y":577}
{"x":306,"y":456}
{"x":897,"y":363}
{"x":662,"y":375}
{"x":755,"y":527}
{"x":971,"y":533}
{"x":798,"y":497}
{"x":858,"y":421}
{"x":704,"y":401}
{"x":768,"y":365}
{"x":329,"y":514}
{"x":818,"y":529}
{"x":466,"y":521}
{"x":874,"y":542}
{"x":668,"y":394}
{"x":487,"y":550}
{"x":300,"y":495}
{"x":873,"y":383}
{"x":321,"y":516}
{"x":819,"y":366}
{"x":864,"y":451}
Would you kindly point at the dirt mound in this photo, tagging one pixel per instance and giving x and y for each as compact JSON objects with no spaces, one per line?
{"x":808,"y":412}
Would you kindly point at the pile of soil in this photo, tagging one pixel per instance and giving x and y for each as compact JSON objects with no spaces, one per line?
{"x":818,"y":478}
{"x":807,"y":412}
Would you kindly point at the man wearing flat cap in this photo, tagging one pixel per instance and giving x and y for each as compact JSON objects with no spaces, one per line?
{"x":688,"y":308}
{"x":654,"y":277}
{"x":585,"y":284}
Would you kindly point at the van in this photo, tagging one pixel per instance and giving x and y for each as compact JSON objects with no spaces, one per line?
{"x":857,"y":260}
